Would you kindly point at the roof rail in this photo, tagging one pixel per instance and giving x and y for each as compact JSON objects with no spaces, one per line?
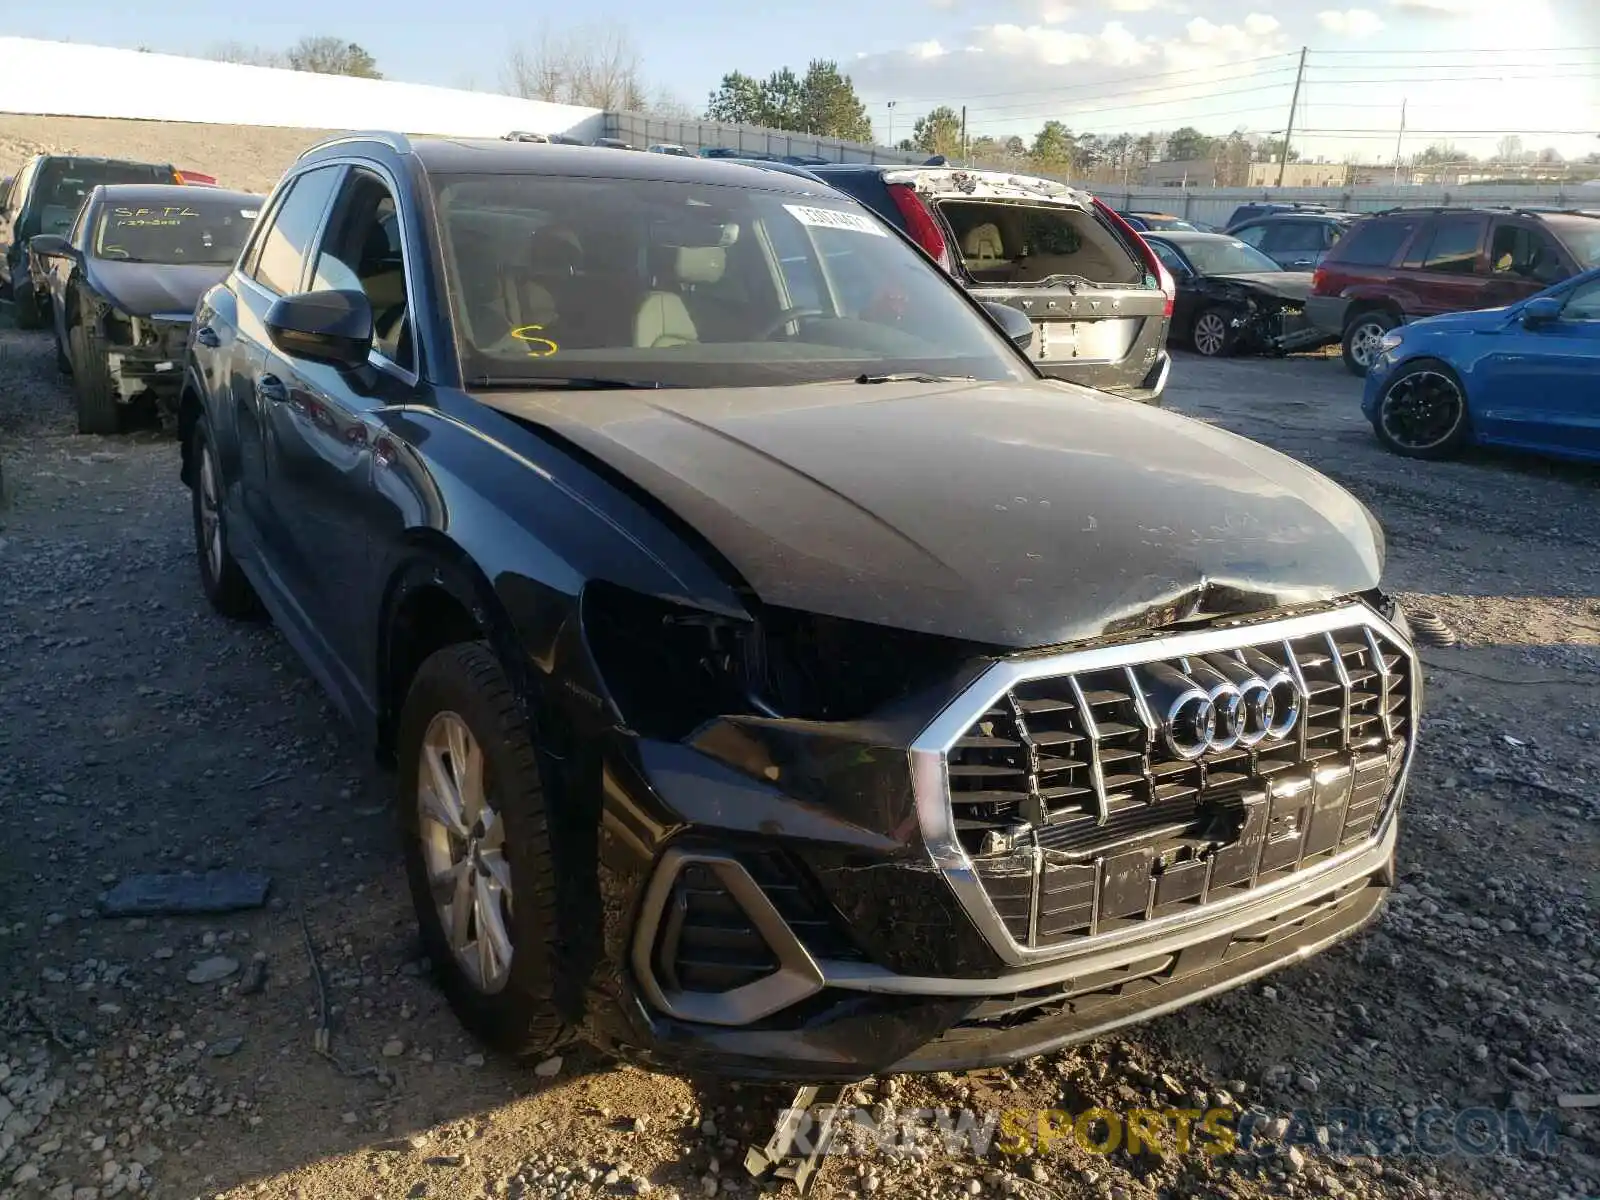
{"x":398,"y":142}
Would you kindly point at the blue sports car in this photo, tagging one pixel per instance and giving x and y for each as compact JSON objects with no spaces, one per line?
{"x":1526,"y":376}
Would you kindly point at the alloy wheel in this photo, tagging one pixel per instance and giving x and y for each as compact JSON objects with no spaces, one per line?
{"x":1366,"y":342}
{"x":463,"y":850}
{"x":1210,"y":334}
{"x":210,"y":515}
{"x":1423,"y":410}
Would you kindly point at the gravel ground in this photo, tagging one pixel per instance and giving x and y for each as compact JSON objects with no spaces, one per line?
{"x":138,"y":731}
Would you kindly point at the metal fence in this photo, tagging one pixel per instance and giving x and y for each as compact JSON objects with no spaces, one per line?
{"x":641,"y":131}
{"x":1215,"y":205}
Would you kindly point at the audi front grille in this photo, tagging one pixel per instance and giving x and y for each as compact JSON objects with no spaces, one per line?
{"x":1094,"y":791}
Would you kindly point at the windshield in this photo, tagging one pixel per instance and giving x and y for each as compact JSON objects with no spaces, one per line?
{"x":1581,"y":236}
{"x":1227,"y":256}
{"x":691,"y":285}
{"x":197,"y":232}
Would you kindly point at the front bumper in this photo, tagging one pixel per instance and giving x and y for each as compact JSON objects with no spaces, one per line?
{"x":144,"y":356}
{"x":861,"y":1020}
{"x":888,"y":950}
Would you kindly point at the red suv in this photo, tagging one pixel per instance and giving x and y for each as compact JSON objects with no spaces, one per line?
{"x":1402,"y":264}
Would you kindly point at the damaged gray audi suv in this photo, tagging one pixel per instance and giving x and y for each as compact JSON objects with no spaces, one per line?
{"x":782,"y":678}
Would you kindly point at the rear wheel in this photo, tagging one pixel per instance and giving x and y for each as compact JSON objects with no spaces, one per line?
{"x":1213,"y":334}
{"x":98,"y":410}
{"x":221,"y":579}
{"x":1363,"y":335}
{"x":476,"y":839}
{"x":1423,"y":412}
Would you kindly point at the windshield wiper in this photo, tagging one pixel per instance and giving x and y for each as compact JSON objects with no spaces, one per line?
{"x":913,"y":377}
{"x":577,"y":383}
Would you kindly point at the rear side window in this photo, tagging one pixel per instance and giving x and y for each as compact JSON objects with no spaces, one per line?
{"x":1453,"y":249}
{"x":1251,"y":235}
{"x":1375,"y":243}
{"x":283,"y":245}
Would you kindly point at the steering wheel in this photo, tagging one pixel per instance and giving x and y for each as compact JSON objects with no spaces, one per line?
{"x":784,"y":318}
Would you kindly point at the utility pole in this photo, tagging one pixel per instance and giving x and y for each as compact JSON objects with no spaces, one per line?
{"x":890,"y":105}
{"x":963,"y":135}
{"x":1399,"y":137}
{"x":1294,"y":101}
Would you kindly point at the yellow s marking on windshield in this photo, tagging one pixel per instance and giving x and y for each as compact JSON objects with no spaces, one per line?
{"x":538,"y":347}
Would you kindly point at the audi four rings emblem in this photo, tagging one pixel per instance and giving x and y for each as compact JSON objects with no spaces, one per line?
{"x":1218,"y":702}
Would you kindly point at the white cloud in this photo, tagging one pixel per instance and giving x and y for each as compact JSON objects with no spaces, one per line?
{"x":1351,"y":22}
{"x":1444,"y":8}
{"x":1053,"y":12}
{"x":927,"y":50}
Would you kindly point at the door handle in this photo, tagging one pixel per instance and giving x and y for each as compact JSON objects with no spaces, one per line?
{"x":270,"y":387}
{"x":207,"y":336}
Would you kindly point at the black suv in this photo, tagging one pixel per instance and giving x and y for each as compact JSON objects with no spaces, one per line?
{"x":45,"y":198}
{"x":1100,"y":300}
{"x":1295,"y":241}
{"x":783,"y":678}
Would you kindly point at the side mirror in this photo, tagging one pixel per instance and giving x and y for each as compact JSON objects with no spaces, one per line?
{"x":333,"y":327}
{"x":1541,"y":310}
{"x":1013,"y":323}
{"x":46,"y":244}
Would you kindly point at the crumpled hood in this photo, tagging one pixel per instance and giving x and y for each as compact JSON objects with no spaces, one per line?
{"x":1290,"y":285}
{"x":1010,"y":514}
{"x":141,"y":289}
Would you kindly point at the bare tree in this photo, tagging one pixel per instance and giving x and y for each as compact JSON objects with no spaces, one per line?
{"x":250,"y":56}
{"x":596,"y":66}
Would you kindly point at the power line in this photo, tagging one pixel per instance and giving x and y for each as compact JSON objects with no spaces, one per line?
{"x":1064,"y":109}
{"x":1464,"y":50}
{"x":1209,"y":72}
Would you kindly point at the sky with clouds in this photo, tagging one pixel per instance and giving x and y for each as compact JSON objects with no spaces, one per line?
{"x":1464,"y":69}
{"x":1102,"y":66}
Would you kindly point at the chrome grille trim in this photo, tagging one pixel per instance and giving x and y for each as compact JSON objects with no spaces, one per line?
{"x":929,"y":756}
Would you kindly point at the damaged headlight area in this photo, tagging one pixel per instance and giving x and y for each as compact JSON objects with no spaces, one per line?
{"x":669,"y":668}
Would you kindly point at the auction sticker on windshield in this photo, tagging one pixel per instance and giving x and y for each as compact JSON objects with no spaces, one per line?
{"x":832,"y":218}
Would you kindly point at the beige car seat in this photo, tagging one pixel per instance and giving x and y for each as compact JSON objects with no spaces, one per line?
{"x":663,"y":318}
{"x":983,"y":247}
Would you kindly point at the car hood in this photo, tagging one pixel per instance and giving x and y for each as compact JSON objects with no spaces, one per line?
{"x":1290,"y":285}
{"x":142,"y":289}
{"x":1016,"y":515}
{"x":1475,"y":319}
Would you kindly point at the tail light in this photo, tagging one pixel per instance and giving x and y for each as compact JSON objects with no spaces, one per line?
{"x":194,"y":178}
{"x":921,"y":224}
{"x":1151,"y":261}
{"x":1318,"y":278}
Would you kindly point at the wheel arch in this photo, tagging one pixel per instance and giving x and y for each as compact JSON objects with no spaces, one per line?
{"x":434,"y":596}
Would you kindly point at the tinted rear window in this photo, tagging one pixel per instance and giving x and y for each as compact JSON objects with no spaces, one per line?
{"x":1374,"y":243}
{"x":66,"y":181}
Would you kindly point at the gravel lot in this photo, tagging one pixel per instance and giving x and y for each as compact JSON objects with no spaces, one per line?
{"x":139,"y":732}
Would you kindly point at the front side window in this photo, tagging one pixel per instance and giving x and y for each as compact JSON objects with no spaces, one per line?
{"x":206,"y":231}
{"x":1584,"y":303}
{"x":282,"y":253}
{"x":362,"y":251}
{"x":694,"y":286}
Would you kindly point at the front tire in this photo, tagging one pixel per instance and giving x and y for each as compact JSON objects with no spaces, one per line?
{"x":1423,"y":412}
{"x":98,"y":410}
{"x":1362,"y":335}
{"x":1213,"y":334}
{"x":476,"y":838}
{"x":221,"y":578}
